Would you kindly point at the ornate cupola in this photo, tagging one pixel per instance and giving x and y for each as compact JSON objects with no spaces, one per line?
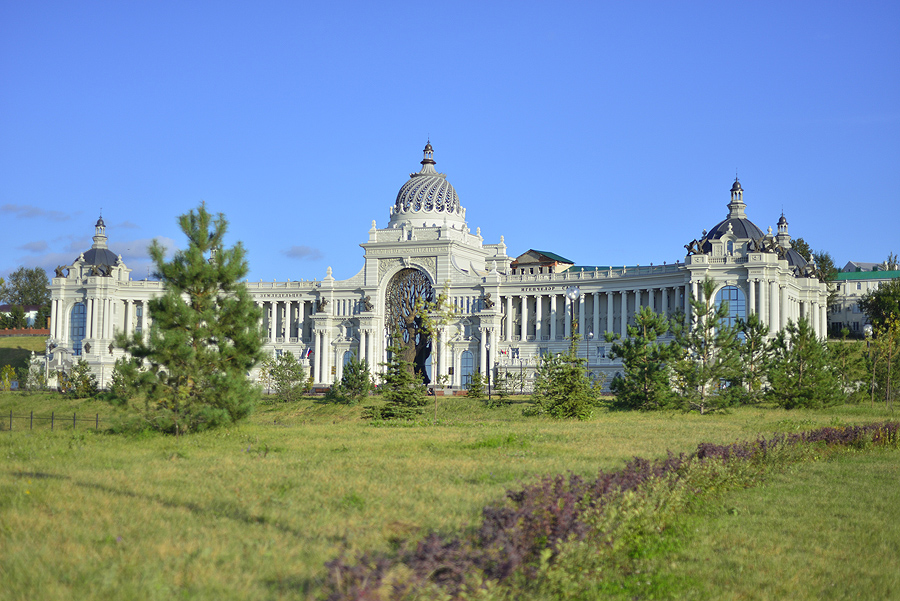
{"x":427,"y":199}
{"x":736,"y":207}
{"x":100,"y":234}
{"x":783,"y":238}
{"x":99,"y":253}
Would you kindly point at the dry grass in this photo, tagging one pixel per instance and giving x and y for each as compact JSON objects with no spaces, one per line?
{"x":254,"y":511}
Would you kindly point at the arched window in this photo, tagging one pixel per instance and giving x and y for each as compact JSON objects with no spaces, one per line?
{"x":76,"y":331}
{"x":466,"y":368}
{"x":737,"y":303}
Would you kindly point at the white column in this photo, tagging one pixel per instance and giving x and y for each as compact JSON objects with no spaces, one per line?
{"x":93,"y":318}
{"x":66,"y":316}
{"x":509,"y":317}
{"x":774,"y":304}
{"x":553,"y":317}
{"x":609,"y":312}
{"x":581,"y":324}
{"x":523,"y":331}
{"x":651,"y":298}
{"x":665,"y":302}
{"x":568,"y":309}
{"x":482,"y":359}
{"x":595,"y":321}
{"x":751,"y":301}
{"x":127,"y":325}
{"x":538,"y":317}
{"x":108,"y":317}
{"x":623,"y":326}
{"x":785,"y":308}
{"x":320,"y":356}
{"x":54,"y":307}
{"x":763,"y":302}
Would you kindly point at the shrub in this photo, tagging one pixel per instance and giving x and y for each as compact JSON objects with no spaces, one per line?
{"x":562,"y":388}
{"x":355,"y":384}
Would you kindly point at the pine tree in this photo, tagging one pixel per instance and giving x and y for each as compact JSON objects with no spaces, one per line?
{"x":475,"y":386}
{"x":355,"y":384}
{"x":709,"y":360}
{"x":801,"y":374}
{"x":562,"y":387}
{"x":401,"y":388}
{"x":646,"y":381}
{"x":756,"y":354}
{"x":288,"y":377}
{"x":205,"y":336}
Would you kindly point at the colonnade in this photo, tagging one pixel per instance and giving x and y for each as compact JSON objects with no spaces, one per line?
{"x":101,"y":320}
{"x":545,"y":317}
{"x":776,"y":304}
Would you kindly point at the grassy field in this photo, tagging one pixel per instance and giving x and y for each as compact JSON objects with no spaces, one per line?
{"x":254,"y":511}
{"x":16,"y":350}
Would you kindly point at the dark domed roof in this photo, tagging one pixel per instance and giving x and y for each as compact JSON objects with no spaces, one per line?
{"x":741,"y":227}
{"x":736,"y":185}
{"x":795,"y":259}
{"x":100,"y":256}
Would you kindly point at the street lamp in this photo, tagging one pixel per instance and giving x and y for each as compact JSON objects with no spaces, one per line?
{"x":587,"y":349}
{"x":572,"y":293}
{"x":488,"y":349}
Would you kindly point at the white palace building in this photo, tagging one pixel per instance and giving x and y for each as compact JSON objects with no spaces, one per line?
{"x":508,"y":311}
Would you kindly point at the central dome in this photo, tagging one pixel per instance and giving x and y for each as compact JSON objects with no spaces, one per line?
{"x":427,"y":199}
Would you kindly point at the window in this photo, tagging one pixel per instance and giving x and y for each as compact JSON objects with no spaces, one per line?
{"x":466,"y":368}
{"x":737,"y":308}
{"x":139,"y":318}
{"x":76,"y":332}
{"x":859,"y":285}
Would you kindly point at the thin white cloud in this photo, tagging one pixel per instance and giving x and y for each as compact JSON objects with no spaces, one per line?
{"x":136,"y":250}
{"x":126,"y":225}
{"x":37,"y":246}
{"x":303,"y":252}
{"x":32,"y":212}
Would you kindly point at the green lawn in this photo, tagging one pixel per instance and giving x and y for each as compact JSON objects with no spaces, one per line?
{"x":16,"y":350}
{"x":254,"y":511}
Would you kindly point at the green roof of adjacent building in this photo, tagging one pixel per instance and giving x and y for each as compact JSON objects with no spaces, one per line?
{"x":867,"y":275}
{"x":553,"y":256}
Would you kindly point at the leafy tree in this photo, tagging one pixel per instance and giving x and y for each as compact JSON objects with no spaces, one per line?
{"x":562,"y":387}
{"x":709,"y":360}
{"x":355,"y":384}
{"x":7,"y":375}
{"x":847,"y":358}
{"x":501,"y":390}
{"x":26,"y":286}
{"x":205,"y":336}
{"x":755,"y":354}
{"x":879,"y":304}
{"x":15,"y":318}
{"x":79,"y":382}
{"x":801,"y":374}
{"x":886,"y":348}
{"x":401,"y":388}
{"x":646,"y":362}
{"x":802,"y":247}
{"x":31,"y":378}
{"x":288,"y":377}
{"x":476,"y":386}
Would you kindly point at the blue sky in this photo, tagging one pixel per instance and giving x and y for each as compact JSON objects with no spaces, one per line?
{"x":608,"y":133}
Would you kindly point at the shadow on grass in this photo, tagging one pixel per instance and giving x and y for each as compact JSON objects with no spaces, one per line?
{"x":222,"y":509}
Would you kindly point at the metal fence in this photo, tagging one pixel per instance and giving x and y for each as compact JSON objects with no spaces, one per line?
{"x":60,"y":421}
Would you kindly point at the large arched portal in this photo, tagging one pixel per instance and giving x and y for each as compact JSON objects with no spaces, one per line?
{"x":409,"y":293}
